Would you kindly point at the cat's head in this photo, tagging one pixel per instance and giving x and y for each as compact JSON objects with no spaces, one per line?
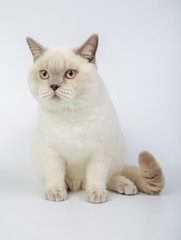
{"x":63,"y":74}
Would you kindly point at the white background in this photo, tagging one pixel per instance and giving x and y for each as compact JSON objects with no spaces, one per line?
{"x":139,"y":59}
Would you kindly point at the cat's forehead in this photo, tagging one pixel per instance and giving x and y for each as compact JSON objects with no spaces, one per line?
{"x":60,"y":59}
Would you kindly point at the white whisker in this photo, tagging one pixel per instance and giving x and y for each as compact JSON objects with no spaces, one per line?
{"x":66,"y":93}
{"x":72,"y":111}
{"x":65,"y":109}
{"x":45,"y":93}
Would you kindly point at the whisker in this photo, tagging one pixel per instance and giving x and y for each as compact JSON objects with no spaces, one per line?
{"x":45,"y":93}
{"x":44,"y":90}
{"x":72,"y":111}
{"x":65,"y":109}
{"x":66,"y":93}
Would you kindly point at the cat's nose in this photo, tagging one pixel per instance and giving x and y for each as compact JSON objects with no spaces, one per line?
{"x":54,"y":86}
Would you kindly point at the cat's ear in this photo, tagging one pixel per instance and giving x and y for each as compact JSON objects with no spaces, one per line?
{"x":36,"y":48}
{"x":89,"y":48}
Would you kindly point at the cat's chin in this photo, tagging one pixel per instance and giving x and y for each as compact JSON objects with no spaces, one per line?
{"x":56,"y":98}
{"x":50,"y":103}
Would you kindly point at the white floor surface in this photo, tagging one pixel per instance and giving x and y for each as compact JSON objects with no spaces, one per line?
{"x":25,"y":214}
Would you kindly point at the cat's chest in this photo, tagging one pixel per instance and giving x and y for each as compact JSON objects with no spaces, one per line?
{"x":74,"y":139}
{"x":66,"y":133}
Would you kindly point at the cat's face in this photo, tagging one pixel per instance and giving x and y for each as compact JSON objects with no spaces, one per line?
{"x":61,"y":75}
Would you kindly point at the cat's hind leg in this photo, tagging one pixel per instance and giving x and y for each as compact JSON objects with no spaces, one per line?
{"x":121,"y":184}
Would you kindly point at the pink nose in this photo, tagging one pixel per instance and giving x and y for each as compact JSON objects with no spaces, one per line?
{"x":54,"y":86}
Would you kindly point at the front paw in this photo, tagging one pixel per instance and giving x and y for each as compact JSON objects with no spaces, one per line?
{"x":96,"y":196}
{"x":56,"y":194}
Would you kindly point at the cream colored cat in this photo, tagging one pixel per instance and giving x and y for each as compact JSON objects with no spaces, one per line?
{"x":77,"y":142}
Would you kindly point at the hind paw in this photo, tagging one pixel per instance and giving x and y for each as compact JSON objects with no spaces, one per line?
{"x":127,"y":188}
{"x":122,"y":185}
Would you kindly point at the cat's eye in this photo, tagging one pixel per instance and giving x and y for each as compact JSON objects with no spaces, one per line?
{"x":70,"y":74}
{"x":44,"y":74}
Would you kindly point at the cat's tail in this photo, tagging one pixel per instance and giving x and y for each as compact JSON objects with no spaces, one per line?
{"x":148,"y":177}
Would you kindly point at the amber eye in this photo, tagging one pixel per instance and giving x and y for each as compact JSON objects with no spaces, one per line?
{"x":44,"y":74}
{"x":70,"y":74}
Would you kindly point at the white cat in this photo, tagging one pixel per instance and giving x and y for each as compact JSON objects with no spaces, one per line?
{"x":77,"y":143}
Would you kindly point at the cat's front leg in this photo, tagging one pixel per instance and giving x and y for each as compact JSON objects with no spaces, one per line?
{"x":54,"y":172}
{"x":96,"y":175}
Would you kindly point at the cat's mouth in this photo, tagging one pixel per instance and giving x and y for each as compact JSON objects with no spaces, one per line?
{"x":55,"y":97}
{"x":65,"y":94}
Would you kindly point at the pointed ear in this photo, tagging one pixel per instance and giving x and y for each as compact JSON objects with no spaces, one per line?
{"x":88,"y":49}
{"x":36,"y":48}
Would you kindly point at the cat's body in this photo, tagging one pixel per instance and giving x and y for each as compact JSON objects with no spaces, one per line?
{"x":77,"y":136}
{"x":77,"y":143}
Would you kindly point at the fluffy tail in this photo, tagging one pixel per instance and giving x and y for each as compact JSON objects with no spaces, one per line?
{"x":148,"y":177}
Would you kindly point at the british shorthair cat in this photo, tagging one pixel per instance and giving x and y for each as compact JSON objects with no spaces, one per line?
{"x":77,"y":142}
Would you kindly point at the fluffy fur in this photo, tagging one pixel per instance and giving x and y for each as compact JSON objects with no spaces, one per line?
{"x":77,"y":143}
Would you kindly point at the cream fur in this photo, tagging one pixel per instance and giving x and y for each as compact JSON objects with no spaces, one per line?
{"x":77,"y":142}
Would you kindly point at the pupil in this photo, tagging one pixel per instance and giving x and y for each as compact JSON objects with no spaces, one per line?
{"x":70,"y":73}
{"x":44,"y":74}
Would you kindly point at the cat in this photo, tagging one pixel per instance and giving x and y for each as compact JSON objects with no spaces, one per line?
{"x":77,"y":142}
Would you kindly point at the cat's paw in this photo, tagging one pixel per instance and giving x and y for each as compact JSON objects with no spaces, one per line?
{"x":96,"y":196}
{"x":127,"y":188}
{"x":56,"y":194}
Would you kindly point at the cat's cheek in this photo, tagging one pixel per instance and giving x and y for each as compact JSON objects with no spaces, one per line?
{"x":65,"y":81}
{"x":68,"y":81}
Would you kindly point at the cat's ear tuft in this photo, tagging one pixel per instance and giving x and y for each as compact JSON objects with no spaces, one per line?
{"x":36,"y":48}
{"x":89,"y":48}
